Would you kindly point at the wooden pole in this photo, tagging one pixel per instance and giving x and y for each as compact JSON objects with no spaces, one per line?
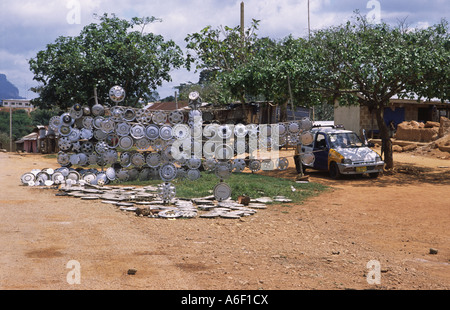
{"x":176,"y":100}
{"x":95,"y":95}
{"x":242,"y":24}
{"x":309,"y":37}
{"x":244,"y":108}
{"x":309,"y":25}
{"x":10,"y":130}
{"x":290,"y":96}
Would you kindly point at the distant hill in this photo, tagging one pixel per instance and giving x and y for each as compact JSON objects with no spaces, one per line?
{"x":7,"y":89}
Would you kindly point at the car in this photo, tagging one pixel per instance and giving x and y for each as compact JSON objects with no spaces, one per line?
{"x":342,"y":152}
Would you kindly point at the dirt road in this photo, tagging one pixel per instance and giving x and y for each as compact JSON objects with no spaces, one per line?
{"x":324,"y":243}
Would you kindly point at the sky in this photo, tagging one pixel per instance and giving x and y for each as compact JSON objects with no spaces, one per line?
{"x":27,"y":26}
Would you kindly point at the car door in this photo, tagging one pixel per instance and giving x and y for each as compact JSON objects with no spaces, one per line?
{"x":321,"y":150}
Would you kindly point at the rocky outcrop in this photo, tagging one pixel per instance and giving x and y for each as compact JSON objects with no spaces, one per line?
{"x":7,"y":89}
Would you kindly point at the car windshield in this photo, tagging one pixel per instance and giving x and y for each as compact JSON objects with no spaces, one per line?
{"x":345,"y":140}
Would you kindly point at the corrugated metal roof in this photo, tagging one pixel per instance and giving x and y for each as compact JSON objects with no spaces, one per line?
{"x":166,"y":106}
{"x":31,"y":137}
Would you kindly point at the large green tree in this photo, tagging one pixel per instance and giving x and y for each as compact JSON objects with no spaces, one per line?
{"x":278,"y":71}
{"x":111,"y":52}
{"x":368,"y":64}
{"x":252,"y":68}
{"x":220,"y":52}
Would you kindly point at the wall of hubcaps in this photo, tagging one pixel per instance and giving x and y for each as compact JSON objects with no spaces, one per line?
{"x":143,"y":144}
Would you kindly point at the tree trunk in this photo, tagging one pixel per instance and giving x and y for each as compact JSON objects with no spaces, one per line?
{"x":245,"y":109}
{"x":386,"y":142}
{"x":283,"y":111}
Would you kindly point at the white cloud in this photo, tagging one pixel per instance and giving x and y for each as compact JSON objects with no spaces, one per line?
{"x":13,"y":66}
{"x":423,"y":25}
{"x":28,"y":25}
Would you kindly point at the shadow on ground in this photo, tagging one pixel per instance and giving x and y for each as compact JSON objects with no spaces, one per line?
{"x":402,"y":174}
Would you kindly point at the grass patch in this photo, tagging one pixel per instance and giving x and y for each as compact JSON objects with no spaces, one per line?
{"x":249,"y":184}
{"x":51,"y":156}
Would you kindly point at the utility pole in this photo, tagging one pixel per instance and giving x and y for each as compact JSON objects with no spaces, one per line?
{"x":176,"y":100}
{"x":244,"y":108}
{"x":309,"y":24}
{"x":95,"y":95}
{"x":10,"y":130}
{"x":309,"y":37}
{"x":242,"y":23}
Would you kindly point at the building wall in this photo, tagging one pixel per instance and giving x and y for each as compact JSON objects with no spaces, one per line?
{"x":30,"y":146}
{"x":17,"y":103}
{"x":367,"y":120}
{"x":356,"y":118}
{"x":348,"y":116}
{"x":411,"y":113}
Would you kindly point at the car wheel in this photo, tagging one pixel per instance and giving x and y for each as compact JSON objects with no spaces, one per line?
{"x":297,"y":163}
{"x":304,"y":168}
{"x":334,"y":171}
{"x":374,"y":175}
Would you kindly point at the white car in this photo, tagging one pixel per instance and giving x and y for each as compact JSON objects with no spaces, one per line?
{"x":341,"y":152}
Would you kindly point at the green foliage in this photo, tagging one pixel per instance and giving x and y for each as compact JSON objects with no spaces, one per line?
{"x":365,"y":63}
{"x":222,"y":49}
{"x":278,"y":71}
{"x":43,"y":116}
{"x":221,"y":52}
{"x":104,"y":54}
{"x":432,"y":55}
{"x":351,"y":63}
{"x":324,"y":112}
{"x":4,"y":140}
{"x":21,"y":124}
{"x":380,"y":61}
{"x":354,"y":63}
{"x":254,"y":68}
{"x":211,"y":91}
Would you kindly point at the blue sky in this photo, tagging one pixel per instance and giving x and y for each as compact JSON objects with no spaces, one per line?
{"x":27,"y":26}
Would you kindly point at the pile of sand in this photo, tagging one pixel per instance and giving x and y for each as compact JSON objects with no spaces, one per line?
{"x":437,"y":134}
{"x":417,"y":131}
{"x":443,"y":143}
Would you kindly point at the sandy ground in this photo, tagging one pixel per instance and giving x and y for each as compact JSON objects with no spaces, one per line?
{"x":324,"y":243}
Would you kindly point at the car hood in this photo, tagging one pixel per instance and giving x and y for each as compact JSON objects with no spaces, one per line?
{"x":363,"y":154}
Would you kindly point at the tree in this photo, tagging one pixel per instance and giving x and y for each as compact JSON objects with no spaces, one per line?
{"x":21,"y":123}
{"x":434,"y":72}
{"x":278,"y":71}
{"x":4,"y":140}
{"x":219,"y":52}
{"x":367,"y":64}
{"x":42,"y":117}
{"x":210,"y":88}
{"x":104,"y":54}
{"x":253,"y":68}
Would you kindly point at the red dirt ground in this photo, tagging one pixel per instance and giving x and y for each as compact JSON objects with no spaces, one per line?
{"x":324,"y":243}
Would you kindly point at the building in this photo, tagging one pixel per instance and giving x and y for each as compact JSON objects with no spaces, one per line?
{"x":166,"y":106}
{"x":17,"y":104}
{"x":28,"y":143}
{"x":40,"y":140}
{"x":254,"y":112}
{"x":357,"y":118}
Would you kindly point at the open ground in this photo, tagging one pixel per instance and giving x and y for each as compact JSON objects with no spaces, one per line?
{"x":324,"y":243}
